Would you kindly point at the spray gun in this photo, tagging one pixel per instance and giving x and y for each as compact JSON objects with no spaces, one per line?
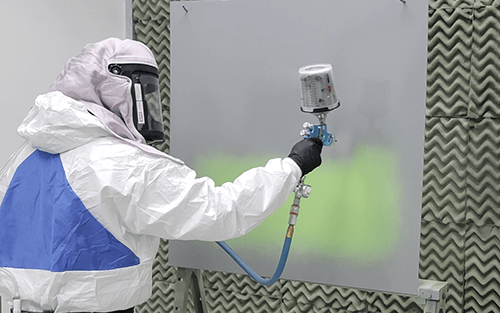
{"x":318,"y":98}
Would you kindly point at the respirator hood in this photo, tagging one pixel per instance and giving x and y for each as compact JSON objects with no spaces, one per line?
{"x":87,"y":78}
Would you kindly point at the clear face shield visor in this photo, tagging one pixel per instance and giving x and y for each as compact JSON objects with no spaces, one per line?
{"x":146,"y":101}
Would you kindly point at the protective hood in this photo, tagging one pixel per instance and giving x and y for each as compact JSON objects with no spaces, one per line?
{"x":58,"y":123}
{"x":86,"y":78}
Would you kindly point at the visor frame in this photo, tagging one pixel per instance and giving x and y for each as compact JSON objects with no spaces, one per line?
{"x":152,"y":130}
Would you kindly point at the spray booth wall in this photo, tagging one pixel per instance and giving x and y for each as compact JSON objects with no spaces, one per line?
{"x":460,"y":235}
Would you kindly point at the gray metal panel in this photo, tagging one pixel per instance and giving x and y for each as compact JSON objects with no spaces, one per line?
{"x":230,"y":99}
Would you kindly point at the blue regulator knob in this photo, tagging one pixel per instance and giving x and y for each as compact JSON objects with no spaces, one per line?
{"x":317,"y":131}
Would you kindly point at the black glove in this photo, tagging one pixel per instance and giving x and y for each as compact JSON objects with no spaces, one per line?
{"x":307,"y":154}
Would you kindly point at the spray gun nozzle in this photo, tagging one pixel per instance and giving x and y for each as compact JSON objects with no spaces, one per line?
{"x":321,"y":118}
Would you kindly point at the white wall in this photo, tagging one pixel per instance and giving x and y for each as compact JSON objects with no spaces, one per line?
{"x":38,"y":37}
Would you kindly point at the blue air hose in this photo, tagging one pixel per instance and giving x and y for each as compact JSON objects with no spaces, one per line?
{"x":301,"y":190}
{"x":249,"y":271}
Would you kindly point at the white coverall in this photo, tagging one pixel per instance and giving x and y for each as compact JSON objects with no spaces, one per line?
{"x":84,"y":202}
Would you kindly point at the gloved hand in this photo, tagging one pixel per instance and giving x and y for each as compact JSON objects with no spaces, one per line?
{"x":307,"y":154}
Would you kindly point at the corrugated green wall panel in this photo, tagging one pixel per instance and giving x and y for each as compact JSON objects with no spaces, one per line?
{"x":445,"y":157}
{"x":442,"y":248}
{"x":482,"y":269}
{"x":442,"y":4}
{"x":162,"y":299}
{"x":240,"y":283}
{"x":482,"y":3}
{"x":225,"y":301}
{"x":150,"y":9}
{"x":161,"y":271}
{"x":322,"y":297}
{"x":483,"y":203}
{"x":381,"y":302}
{"x":485,"y":79}
{"x":448,"y":66}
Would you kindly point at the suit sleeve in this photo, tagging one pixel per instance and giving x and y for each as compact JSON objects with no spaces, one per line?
{"x":175,"y":204}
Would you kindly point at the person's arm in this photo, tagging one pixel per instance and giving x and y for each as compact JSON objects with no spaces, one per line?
{"x":152,"y":195}
{"x":177,"y":205}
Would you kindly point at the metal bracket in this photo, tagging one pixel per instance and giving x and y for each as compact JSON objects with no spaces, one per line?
{"x":189,"y":278}
{"x":432,"y":294}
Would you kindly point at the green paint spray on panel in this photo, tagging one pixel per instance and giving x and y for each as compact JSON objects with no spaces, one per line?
{"x":353,"y":210}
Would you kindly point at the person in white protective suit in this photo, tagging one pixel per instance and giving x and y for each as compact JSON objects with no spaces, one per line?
{"x":85,"y":201}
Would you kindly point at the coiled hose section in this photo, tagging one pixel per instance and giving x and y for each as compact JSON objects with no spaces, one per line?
{"x":301,"y":190}
{"x":252,"y":273}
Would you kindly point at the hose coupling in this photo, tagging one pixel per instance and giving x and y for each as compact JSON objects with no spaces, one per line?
{"x":289,"y":232}
{"x":294,"y":212}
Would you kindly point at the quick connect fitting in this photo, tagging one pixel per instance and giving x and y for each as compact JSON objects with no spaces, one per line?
{"x":294,"y":213}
